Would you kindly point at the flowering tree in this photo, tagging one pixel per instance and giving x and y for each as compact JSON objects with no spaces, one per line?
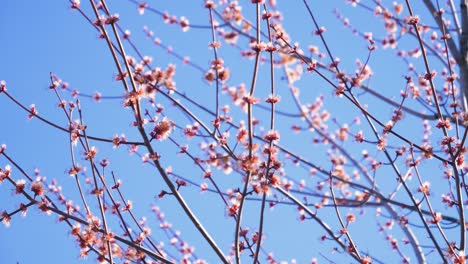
{"x":261,"y":146}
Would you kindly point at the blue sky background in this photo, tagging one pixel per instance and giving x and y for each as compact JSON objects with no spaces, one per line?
{"x":39,"y":37}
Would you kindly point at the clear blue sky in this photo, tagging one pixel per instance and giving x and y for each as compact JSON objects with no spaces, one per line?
{"x":39,"y":37}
